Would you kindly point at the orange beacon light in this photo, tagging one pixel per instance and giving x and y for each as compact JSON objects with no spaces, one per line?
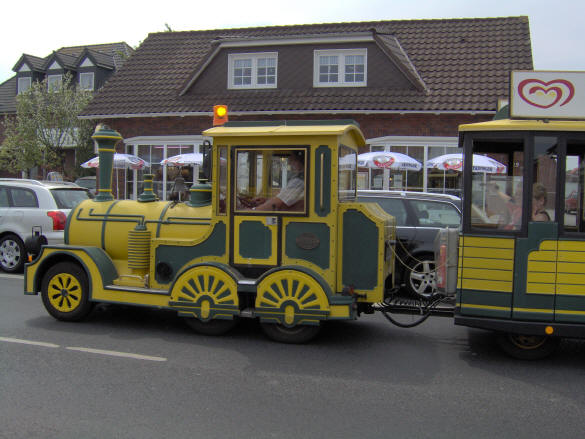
{"x":220,"y":114}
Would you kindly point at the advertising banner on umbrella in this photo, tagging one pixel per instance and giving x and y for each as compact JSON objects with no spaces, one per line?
{"x":190,"y":158}
{"x":388,"y":160}
{"x":454,"y":162}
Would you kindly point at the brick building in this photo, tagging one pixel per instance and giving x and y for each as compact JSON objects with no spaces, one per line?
{"x":408,"y":83}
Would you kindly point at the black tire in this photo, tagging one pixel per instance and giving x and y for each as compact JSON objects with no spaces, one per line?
{"x":420,"y":277}
{"x":12,"y":254}
{"x":296,"y":335}
{"x":211,"y":327}
{"x":65,"y":292}
{"x":527,"y":347}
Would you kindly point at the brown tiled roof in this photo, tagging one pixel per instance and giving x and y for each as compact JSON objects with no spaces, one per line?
{"x":109,"y":55}
{"x":99,"y":58}
{"x":66,"y":61}
{"x":7,"y":92}
{"x":460,"y":65}
{"x":34,"y":62}
{"x":118,"y":51}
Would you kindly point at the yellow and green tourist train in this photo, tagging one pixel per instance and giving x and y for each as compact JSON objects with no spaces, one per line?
{"x":310,"y":255}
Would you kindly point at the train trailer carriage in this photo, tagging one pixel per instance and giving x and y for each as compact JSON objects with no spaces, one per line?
{"x":522,"y":271}
{"x":277,"y":234}
{"x":521,"y":260}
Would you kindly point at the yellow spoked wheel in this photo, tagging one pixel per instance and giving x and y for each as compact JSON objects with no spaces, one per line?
{"x":208,"y":297}
{"x":291,"y":305}
{"x":65,"y":292}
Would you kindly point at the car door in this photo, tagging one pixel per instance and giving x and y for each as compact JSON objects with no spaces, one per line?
{"x":432,"y":215}
{"x":24,"y":212}
{"x":4,"y":207}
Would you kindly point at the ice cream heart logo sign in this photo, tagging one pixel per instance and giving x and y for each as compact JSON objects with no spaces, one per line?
{"x":384,"y":162}
{"x":543,"y":94}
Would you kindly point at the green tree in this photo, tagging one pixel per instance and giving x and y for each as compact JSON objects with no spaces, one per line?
{"x":45,"y":125}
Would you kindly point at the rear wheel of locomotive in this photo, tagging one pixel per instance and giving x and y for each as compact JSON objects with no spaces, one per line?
{"x":211,"y":327}
{"x":65,"y":292}
{"x":527,"y":347}
{"x":295,"y":335}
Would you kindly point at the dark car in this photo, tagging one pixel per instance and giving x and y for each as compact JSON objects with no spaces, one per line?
{"x":571,"y":202}
{"x":419,"y":216}
{"x":89,"y":183}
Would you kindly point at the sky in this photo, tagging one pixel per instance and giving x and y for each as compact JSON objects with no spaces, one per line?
{"x":40,"y":27}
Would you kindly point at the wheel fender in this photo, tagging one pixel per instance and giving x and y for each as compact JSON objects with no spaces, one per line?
{"x":292,"y":296}
{"x":97,"y":264}
{"x":206,"y":291}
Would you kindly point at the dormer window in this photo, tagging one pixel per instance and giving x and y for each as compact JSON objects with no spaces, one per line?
{"x":86,"y":81}
{"x":24,"y":84}
{"x":340,"y":68}
{"x":252,"y":70}
{"x":54,"y":82}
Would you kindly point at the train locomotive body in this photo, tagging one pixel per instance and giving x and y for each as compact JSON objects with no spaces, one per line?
{"x":217,"y":257}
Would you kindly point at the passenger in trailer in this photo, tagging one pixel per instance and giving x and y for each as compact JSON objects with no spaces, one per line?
{"x":514,"y":205}
{"x":538,"y":202}
{"x":512,"y":218}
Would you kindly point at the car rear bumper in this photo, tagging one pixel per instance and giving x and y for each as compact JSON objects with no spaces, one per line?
{"x":54,"y":238}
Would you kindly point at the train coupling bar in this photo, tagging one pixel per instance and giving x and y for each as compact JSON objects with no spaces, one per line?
{"x":436,"y":305}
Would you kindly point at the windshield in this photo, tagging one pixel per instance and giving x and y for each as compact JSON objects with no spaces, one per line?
{"x":69,"y":198}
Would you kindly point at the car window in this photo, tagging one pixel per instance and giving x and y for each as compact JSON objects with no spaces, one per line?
{"x":69,"y":198}
{"x":22,"y":197}
{"x":436,"y":214}
{"x":394,"y":206}
{"x":4,"y":197}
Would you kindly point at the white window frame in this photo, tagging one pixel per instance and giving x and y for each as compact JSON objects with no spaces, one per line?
{"x":341,"y":54}
{"x":22,"y":81}
{"x":254,"y":57}
{"x":54,"y":82}
{"x":87,"y":74}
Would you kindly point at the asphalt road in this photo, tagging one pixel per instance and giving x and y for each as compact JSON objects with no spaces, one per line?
{"x":140,"y":373}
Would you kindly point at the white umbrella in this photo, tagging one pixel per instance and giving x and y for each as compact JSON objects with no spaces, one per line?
{"x":121,"y":161}
{"x":190,"y":158}
{"x":454,"y":162}
{"x":388,"y":160}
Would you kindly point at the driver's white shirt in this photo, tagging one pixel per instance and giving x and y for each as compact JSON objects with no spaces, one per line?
{"x":293,"y":192}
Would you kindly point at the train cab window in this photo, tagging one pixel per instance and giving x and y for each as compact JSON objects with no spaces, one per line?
{"x":271,"y":180}
{"x":497,"y":184}
{"x":347,"y":167}
{"x":222,"y":180}
{"x":574,"y":219}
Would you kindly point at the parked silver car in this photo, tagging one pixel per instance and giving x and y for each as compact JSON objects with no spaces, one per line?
{"x":419,"y":216}
{"x":31,"y":205}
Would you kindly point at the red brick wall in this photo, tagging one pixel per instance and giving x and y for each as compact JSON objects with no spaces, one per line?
{"x":375,"y":125}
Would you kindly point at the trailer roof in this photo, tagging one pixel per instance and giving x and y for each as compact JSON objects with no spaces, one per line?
{"x":525,"y":125}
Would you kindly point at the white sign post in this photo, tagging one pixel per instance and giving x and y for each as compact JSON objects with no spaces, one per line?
{"x":547,"y":95}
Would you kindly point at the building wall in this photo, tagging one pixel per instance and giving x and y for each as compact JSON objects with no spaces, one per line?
{"x":372,"y":126}
{"x":295,"y":68}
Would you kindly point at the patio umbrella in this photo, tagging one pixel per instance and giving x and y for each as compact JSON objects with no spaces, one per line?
{"x":454,"y":162}
{"x":121,"y":161}
{"x":190,"y":158}
{"x":388,"y":160}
